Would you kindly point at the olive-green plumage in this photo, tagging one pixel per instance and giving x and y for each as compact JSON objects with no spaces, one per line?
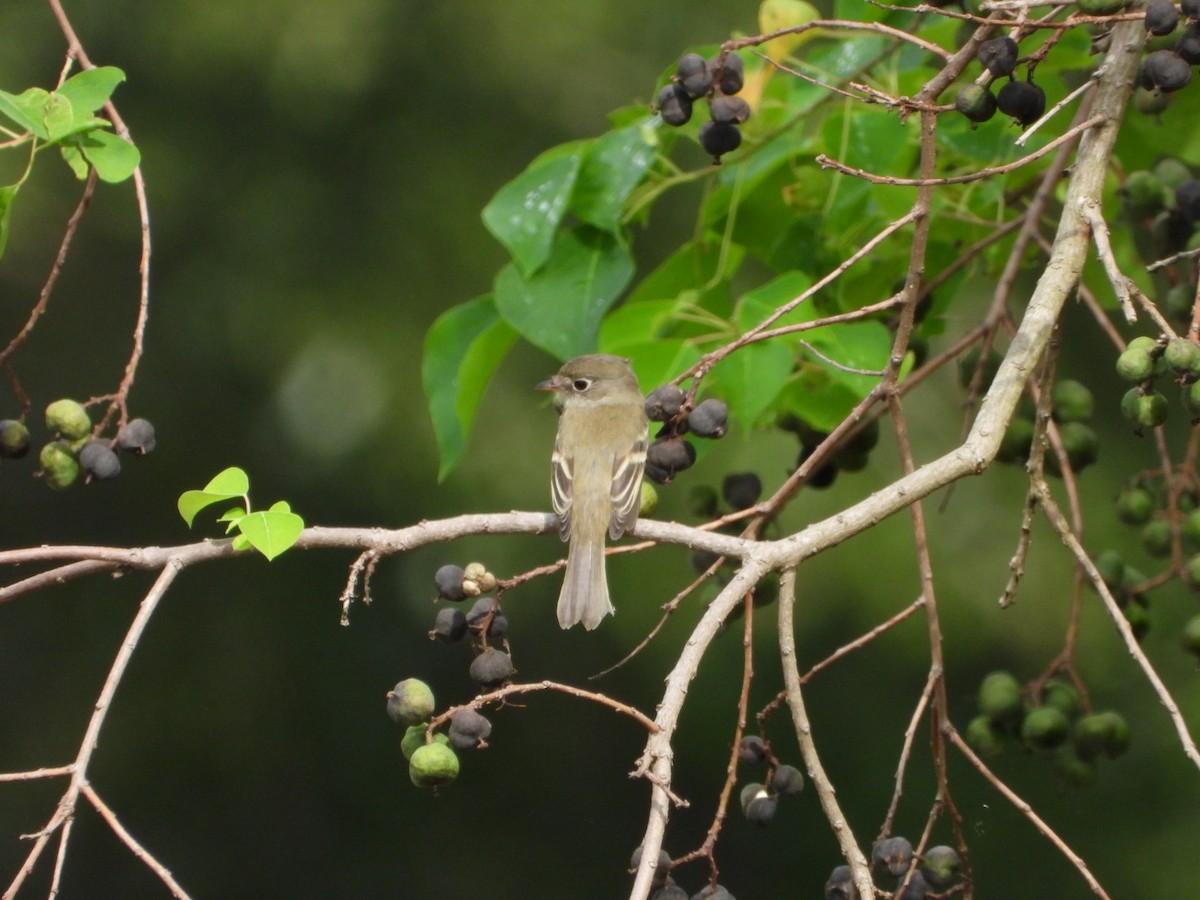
{"x":596,"y":476}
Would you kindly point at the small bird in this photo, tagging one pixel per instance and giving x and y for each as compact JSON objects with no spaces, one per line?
{"x":596,"y":474}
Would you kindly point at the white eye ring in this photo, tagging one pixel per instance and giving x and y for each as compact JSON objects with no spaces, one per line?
{"x":581,"y":384}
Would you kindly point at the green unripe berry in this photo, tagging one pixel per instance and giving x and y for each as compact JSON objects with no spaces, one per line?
{"x":983,"y":735}
{"x":1000,"y":698}
{"x":1139,"y":620}
{"x":1191,"y":526}
{"x":1111,"y":567}
{"x":1074,"y":771}
{"x":1103,"y":732}
{"x":941,"y":867}
{"x":1143,"y":192}
{"x":1191,"y":399}
{"x":414,"y":737}
{"x":1191,"y":636}
{"x":1017,"y":441}
{"x":14,"y":439}
{"x":1142,"y":342}
{"x":410,"y":702}
{"x":649,"y":500}
{"x":1172,"y":172}
{"x":975,"y":102}
{"x":1135,"y":364}
{"x":1062,"y":695}
{"x":60,"y":469}
{"x":1144,"y":410}
{"x":1156,"y":538}
{"x":1044,"y":728}
{"x":1191,"y":571}
{"x":1182,"y":356}
{"x":1119,"y":735}
{"x":1149,"y":102}
{"x":1135,"y":505}
{"x":1073,"y":402}
{"x":433,"y":765}
{"x":68,"y":419}
{"x":1082,"y":446}
{"x":1177,"y":303}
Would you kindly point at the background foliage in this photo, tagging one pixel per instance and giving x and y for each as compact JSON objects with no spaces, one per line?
{"x":316,"y":175}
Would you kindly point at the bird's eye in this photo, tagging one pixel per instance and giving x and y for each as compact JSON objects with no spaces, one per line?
{"x":581,"y":384}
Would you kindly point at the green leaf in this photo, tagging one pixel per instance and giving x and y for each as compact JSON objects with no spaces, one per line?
{"x":232,"y":482}
{"x":26,"y":109}
{"x":634,"y":323}
{"x":58,"y":116}
{"x":271,"y":532}
{"x":113,"y":156}
{"x":8,"y":193}
{"x":657,"y":362}
{"x":230,"y":517}
{"x":462,"y":350}
{"x":750,"y":379}
{"x":858,"y":345}
{"x":693,"y":266}
{"x":613,"y":167}
{"x":560,"y":308}
{"x":525,"y":213}
{"x":226,"y":485}
{"x":754,"y":306}
{"x":90,"y":89}
{"x":74,"y":159}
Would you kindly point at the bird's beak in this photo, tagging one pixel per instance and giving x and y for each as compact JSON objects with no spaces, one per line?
{"x":550,"y":384}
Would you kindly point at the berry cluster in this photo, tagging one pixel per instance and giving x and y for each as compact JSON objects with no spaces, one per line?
{"x":718,"y":80}
{"x":852,"y":456}
{"x":432,"y":761}
{"x":74,"y":449}
{"x":1167,"y":69}
{"x":431,"y":756}
{"x":1054,"y":725}
{"x":671,"y":452}
{"x":664,"y":886}
{"x":1146,"y":359}
{"x":1071,"y":407}
{"x":760,"y":800}
{"x":1023,"y":101}
{"x":938,"y":870}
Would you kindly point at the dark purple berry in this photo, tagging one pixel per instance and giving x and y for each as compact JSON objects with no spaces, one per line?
{"x":450,"y":625}
{"x":709,"y":419}
{"x":666,"y":457}
{"x":1161,"y":17}
{"x":469,"y":730}
{"x":449,"y":581}
{"x":674,"y":105}
{"x":491,"y":668}
{"x":694,"y":75}
{"x":998,"y":56}
{"x":732,"y":110}
{"x":729,"y":74}
{"x":136,"y":436}
{"x":1165,"y":70}
{"x":1023,"y":100}
{"x":99,"y":460}
{"x":719,"y":138}
{"x":664,"y":402}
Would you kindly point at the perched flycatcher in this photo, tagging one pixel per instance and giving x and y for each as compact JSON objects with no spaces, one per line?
{"x":596,"y":474}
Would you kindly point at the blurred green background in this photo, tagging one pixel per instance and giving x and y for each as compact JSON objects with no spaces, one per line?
{"x":316,"y":173}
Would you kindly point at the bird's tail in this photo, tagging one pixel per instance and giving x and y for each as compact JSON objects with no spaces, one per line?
{"x":584,"y":596}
